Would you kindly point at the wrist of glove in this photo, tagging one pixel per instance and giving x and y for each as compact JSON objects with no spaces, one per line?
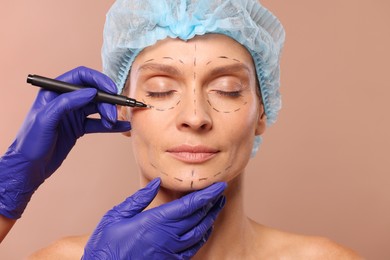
{"x":175,"y":230}
{"x":19,"y":178}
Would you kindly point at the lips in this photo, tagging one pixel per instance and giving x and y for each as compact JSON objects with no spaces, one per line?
{"x":192,"y":154}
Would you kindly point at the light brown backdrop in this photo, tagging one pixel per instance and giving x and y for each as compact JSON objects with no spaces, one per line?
{"x":324,"y":167}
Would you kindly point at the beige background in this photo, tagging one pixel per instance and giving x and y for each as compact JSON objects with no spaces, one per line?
{"x":324,"y":167}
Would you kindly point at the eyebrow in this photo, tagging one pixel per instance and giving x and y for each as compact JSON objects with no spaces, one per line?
{"x":229,"y":69}
{"x":157,"y":67}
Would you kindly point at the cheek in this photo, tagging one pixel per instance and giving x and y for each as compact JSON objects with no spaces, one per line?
{"x":242,"y":126}
{"x":146,"y":128}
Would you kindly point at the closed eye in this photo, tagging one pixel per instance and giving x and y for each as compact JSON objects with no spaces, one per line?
{"x":229,"y":94}
{"x":165,"y":94}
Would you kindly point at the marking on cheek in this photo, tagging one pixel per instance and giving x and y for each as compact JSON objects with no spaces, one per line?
{"x":228,"y":168}
{"x":219,"y":173}
{"x":207,"y":63}
{"x":154,"y":166}
{"x":178,"y":179}
{"x":226,"y":112}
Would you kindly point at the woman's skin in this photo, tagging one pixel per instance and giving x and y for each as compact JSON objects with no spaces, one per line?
{"x":193,"y":143}
{"x":5,"y":226}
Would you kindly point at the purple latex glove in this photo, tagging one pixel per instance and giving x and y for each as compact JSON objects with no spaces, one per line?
{"x":176,"y":230}
{"x":50,"y":130}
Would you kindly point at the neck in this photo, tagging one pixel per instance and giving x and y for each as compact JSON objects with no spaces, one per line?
{"x":232,"y":232}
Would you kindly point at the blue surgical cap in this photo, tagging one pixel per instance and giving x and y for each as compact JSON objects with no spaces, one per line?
{"x":132,"y":25}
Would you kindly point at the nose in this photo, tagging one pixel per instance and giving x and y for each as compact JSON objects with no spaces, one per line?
{"x":194,"y":113}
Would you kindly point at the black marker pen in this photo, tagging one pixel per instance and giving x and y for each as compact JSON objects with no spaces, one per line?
{"x":62,"y":87}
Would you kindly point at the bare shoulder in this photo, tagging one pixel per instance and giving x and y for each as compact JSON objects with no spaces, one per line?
{"x":276,"y":244}
{"x":65,"y":248}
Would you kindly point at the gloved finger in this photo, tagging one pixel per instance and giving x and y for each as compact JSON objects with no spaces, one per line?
{"x":102,"y":125}
{"x":190,"y":252}
{"x":183,"y":225}
{"x":189,"y":204}
{"x":97,"y":126}
{"x":92,"y":78}
{"x":43,"y":98}
{"x":136,"y":202}
{"x":199,"y":230}
{"x":67,"y":102}
{"x":108,"y":114}
{"x":84,"y":76}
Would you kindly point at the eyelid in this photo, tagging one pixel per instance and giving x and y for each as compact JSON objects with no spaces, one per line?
{"x":235,"y":83}
{"x":159,"y":84}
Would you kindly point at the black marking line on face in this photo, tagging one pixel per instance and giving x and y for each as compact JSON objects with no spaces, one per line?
{"x":227,"y":168}
{"x":219,"y":173}
{"x":182,"y":62}
{"x":192,"y":173}
{"x":195,"y":107}
{"x":203,"y":179}
{"x":178,"y":179}
{"x":155,"y":167}
{"x":194,"y":79}
{"x":168,"y":58}
{"x":149,"y":60}
{"x":192,"y":184}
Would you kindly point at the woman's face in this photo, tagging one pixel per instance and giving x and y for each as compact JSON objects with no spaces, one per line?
{"x":205,"y":111}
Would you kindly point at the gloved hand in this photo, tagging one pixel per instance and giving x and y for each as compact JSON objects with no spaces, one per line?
{"x":176,"y":230}
{"x":50,"y":130}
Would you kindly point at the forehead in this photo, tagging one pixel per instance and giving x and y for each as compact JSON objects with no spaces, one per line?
{"x":204,"y":48}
